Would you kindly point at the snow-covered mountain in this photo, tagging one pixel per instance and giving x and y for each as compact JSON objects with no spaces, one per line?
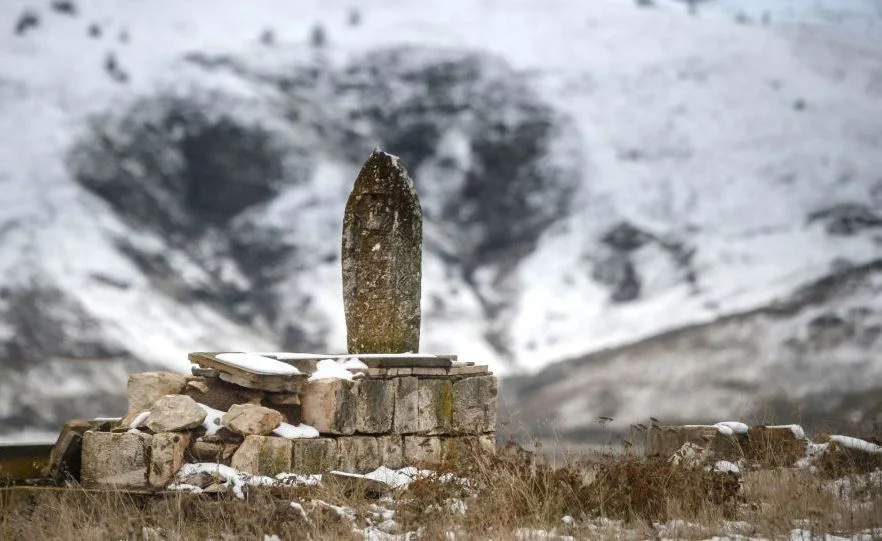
{"x":593,"y":175}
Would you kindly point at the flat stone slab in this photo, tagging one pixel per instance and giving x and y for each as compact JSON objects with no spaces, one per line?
{"x":307,"y":361}
{"x":252,"y":378}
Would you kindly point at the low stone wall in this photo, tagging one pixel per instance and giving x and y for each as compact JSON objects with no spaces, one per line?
{"x":760,"y":446}
{"x":392,"y":417}
{"x":442,"y":405}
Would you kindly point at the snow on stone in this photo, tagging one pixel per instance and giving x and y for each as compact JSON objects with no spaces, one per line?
{"x":724,"y":466}
{"x":381,"y":513}
{"x":342,"y":511}
{"x":457,"y":506}
{"x":289,"y":356}
{"x":237,"y":480}
{"x":354,"y":363}
{"x":797,"y":430}
{"x":399,"y":478}
{"x":185,"y":487}
{"x":140,"y":419}
{"x":212,"y":422}
{"x":292,"y":432}
{"x":812,"y":452}
{"x":299,"y":479}
{"x":257,"y":364}
{"x":531,"y":534}
{"x":233,"y":477}
{"x":726,"y":428}
{"x":857,"y":444}
{"x":299,"y":508}
{"x":331,"y":369}
{"x":375,"y":533}
{"x":735,"y":426}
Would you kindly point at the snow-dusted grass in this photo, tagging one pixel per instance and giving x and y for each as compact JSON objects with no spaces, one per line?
{"x":514,"y":495}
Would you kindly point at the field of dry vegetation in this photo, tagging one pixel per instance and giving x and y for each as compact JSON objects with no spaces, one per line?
{"x":513,"y":495}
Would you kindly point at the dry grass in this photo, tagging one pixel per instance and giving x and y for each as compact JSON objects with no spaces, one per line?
{"x":487,"y":497}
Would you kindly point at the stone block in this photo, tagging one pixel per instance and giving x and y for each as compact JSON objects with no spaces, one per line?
{"x":145,"y":388}
{"x":664,"y":441}
{"x":376,"y":406}
{"x":174,"y":413}
{"x":474,"y":405}
{"x":263,"y":455}
{"x":198,"y":384}
{"x":201,"y":372}
{"x":459,"y":449}
{"x":221,"y":395}
{"x":465,"y":370}
{"x":423,"y":406}
{"x":358,"y":454}
{"x":251,"y":419}
{"x":422,"y":450}
{"x":218,"y":452}
{"x":108,"y":455}
{"x":847,"y":458}
{"x":407,"y":406}
{"x":428,"y":371}
{"x":435,"y":406}
{"x":313,"y":455}
{"x":167,"y":450}
{"x":65,"y":458}
{"x":329,"y":405}
{"x":391,"y":451}
{"x":774,"y":446}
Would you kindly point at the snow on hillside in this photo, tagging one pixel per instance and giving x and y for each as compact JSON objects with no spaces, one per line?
{"x":812,"y":358}
{"x":683,"y":160}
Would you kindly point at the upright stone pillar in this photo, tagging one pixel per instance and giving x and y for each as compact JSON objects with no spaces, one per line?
{"x":382,"y":259}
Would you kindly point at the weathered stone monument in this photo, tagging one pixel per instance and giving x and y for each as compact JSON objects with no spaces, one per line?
{"x":382,"y":257}
{"x":382,"y":404}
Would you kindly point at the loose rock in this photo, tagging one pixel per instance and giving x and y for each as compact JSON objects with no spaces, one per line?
{"x":147,"y":387}
{"x":166,"y":456}
{"x":174,"y":413}
{"x":250,"y":419}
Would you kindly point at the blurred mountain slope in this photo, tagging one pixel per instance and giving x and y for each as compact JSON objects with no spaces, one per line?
{"x":592,"y":174}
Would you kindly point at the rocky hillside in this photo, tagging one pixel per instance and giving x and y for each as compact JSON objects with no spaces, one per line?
{"x":813,"y":357}
{"x":593,"y":177}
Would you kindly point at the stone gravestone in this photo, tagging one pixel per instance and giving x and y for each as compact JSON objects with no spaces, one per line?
{"x":382,"y":259}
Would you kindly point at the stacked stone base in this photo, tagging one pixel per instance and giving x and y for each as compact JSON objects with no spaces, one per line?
{"x":389,"y":418}
{"x":138,"y":460}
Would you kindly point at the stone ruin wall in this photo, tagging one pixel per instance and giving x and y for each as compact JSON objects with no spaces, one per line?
{"x":392,"y":417}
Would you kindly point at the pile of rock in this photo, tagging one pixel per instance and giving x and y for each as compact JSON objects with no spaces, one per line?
{"x":352,"y":419}
{"x":761,"y":446}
